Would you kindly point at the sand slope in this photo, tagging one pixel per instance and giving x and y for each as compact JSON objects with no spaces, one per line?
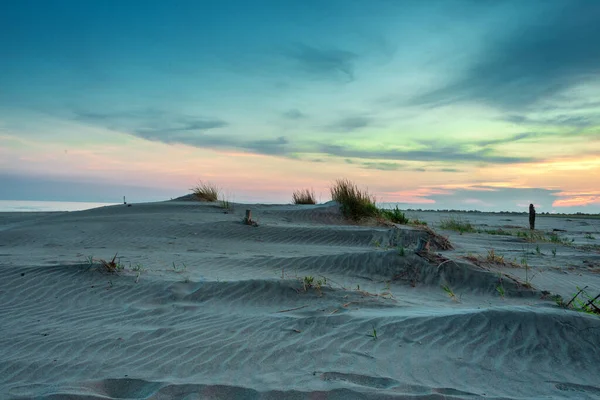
{"x":209,"y":308}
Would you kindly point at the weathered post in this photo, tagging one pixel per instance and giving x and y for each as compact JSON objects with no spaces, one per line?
{"x":531,"y":217}
{"x":248,"y":219}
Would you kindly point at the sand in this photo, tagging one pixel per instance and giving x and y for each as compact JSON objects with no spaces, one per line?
{"x":210,"y":308}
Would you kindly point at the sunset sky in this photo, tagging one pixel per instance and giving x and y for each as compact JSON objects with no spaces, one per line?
{"x":487,"y":105}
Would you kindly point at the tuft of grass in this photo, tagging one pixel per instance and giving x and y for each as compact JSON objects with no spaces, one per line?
{"x":589,"y":236}
{"x":494,"y":258}
{"x":355,"y":204}
{"x":456,"y":224}
{"x":450,"y":292}
{"x":554,"y":252}
{"x":394,"y":215}
{"x":304,"y":196}
{"x":418,"y":222}
{"x":206,"y":191}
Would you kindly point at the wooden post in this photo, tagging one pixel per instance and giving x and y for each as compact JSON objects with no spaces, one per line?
{"x":248,"y":218}
{"x":531,"y":217}
{"x":124,"y":202}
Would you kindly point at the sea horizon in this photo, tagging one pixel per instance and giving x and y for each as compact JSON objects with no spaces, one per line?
{"x":49,"y":206}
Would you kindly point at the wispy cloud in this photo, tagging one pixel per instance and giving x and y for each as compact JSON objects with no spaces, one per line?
{"x":349,"y":124}
{"x":448,"y":153}
{"x":294,"y":114}
{"x":323,"y":62}
{"x":535,"y":61}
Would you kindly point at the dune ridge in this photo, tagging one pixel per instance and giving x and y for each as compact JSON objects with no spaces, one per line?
{"x":207,"y":307}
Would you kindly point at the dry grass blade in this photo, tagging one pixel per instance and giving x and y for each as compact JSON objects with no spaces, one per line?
{"x":112,"y":267}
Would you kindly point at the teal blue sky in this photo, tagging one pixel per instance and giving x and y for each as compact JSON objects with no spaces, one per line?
{"x":442,"y":104}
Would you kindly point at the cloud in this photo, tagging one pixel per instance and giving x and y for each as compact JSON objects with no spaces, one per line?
{"x":541,"y":58}
{"x":294,"y":114}
{"x":323,"y":62}
{"x":383,"y":166}
{"x":447,"y":153}
{"x":570,"y":121}
{"x":350,"y":124}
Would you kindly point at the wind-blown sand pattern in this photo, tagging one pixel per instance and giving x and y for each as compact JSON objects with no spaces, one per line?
{"x":210,"y":308}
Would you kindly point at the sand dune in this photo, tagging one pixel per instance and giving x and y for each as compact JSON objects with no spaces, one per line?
{"x":210,"y":308}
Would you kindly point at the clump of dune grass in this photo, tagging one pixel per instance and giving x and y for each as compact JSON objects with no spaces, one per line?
{"x":206,"y":191}
{"x":394,"y":215}
{"x":356,"y":204}
{"x":304,"y":196}
{"x":456,"y":224}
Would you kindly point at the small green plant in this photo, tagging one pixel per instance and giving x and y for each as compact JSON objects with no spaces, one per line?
{"x":90,"y":260}
{"x":137,"y":268}
{"x":500,"y":290}
{"x":226,"y":204}
{"x":554,"y":252}
{"x":401,"y":252}
{"x":450,"y":292}
{"x":308,"y":282}
{"x":355,"y":204}
{"x":206,"y":191}
{"x":304,"y":196}
{"x":395,"y":215}
{"x":528,"y":275}
{"x":374,"y":334}
{"x":456,"y":224}
{"x":589,"y":236}
{"x":537,"y":250}
{"x":376,"y":243}
{"x":418,"y":222}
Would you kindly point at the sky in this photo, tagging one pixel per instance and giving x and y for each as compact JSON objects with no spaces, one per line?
{"x":438,"y":104}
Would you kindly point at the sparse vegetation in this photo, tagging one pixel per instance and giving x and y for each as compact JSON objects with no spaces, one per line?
{"x":401,"y":252}
{"x":206,"y":191}
{"x":394,"y":215}
{"x":304,"y":196}
{"x":498,"y":231}
{"x":456,"y":224}
{"x":494,"y":258}
{"x":418,"y":222}
{"x":589,"y":236}
{"x":582,"y":302}
{"x":355,"y":204}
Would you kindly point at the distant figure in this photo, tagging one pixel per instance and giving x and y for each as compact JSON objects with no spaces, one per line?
{"x":531,"y":217}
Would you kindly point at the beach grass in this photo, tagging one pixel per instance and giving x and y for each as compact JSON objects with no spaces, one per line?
{"x":456,"y":224}
{"x":206,"y":191}
{"x":304,"y":196}
{"x":356,"y":204}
